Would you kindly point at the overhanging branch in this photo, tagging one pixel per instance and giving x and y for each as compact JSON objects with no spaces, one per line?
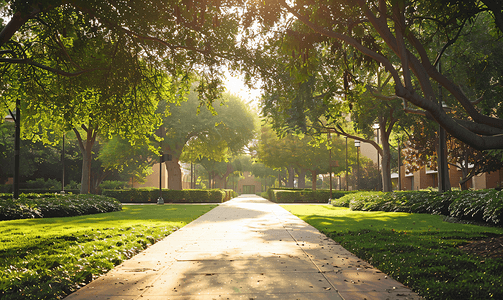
{"x":30,"y":62}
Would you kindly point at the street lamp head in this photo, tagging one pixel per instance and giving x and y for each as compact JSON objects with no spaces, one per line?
{"x":9,"y":118}
{"x":446,"y":107}
{"x":357,"y":143}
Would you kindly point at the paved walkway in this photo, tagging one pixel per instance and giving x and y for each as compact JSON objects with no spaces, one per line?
{"x":247,"y":248}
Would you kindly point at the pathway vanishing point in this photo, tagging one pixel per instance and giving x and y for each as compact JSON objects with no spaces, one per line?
{"x":247,"y":248}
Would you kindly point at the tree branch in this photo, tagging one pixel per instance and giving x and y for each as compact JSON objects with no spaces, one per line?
{"x":18,"y":20}
{"x":30,"y":62}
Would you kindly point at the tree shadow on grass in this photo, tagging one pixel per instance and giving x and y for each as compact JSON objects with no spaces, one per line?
{"x":376,"y":220}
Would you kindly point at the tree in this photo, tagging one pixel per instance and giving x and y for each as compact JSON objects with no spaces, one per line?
{"x":268,"y":175}
{"x":303,"y":152}
{"x":333,"y":92}
{"x":278,"y":152}
{"x":133,"y":161}
{"x":117,"y":58}
{"x":181,"y":37}
{"x":421,"y":150}
{"x":204,"y":134}
{"x":393,"y":34}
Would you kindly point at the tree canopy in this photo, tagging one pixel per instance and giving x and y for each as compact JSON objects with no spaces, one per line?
{"x":192,"y":132}
{"x":405,"y":38}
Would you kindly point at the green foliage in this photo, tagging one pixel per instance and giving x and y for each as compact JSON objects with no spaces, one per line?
{"x":481,"y":205}
{"x":419,"y":250}
{"x":41,"y":183}
{"x":114,"y":185}
{"x":41,"y":259}
{"x":286,"y":195}
{"x":200,"y":133}
{"x":174,"y":196}
{"x":34,"y":206}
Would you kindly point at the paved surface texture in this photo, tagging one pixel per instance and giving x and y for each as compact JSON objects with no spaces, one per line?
{"x":247,"y":248}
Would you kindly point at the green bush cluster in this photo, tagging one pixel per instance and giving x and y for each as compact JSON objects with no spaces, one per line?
{"x":30,"y":206}
{"x":288,"y":195}
{"x":171,"y":196}
{"x":114,"y":185}
{"x":480,"y":205}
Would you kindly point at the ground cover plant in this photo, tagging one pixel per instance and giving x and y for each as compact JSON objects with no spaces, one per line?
{"x":419,"y":250}
{"x":479,"y":206}
{"x":30,"y":206}
{"x":50,"y":258}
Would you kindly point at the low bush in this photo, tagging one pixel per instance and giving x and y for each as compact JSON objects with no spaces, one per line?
{"x":287,"y":195}
{"x":171,"y":196}
{"x":114,"y":185}
{"x":480,"y":205}
{"x":28,"y":206}
{"x":42,"y":184}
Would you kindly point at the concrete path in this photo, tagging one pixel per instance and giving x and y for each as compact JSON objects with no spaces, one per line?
{"x":247,"y":248}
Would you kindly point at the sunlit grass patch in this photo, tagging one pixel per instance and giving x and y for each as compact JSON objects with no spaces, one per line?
{"x":419,"y":250}
{"x":50,"y":258}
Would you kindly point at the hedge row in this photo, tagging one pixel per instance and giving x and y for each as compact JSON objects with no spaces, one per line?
{"x":288,"y":195}
{"x":171,"y":196}
{"x":479,"y":205}
{"x":55,"y":206}
{"x":39,"y":191}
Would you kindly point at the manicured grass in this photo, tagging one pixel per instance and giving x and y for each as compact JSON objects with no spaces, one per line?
{"x":419,"y":250}
{"x":50,"y":258}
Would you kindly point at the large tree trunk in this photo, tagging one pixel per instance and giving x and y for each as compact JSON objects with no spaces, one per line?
{"x":174,"y":174}
{"x":386,"y":162}
{"x":87,"y":157}
{"x":463,"y":183}
{"x":302,"y":179}
{"x":444,"y":184}
{"x":313,"y":179}
{"x":291,"y":176}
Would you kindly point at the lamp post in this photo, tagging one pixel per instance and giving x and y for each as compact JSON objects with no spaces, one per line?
{"x":399,"y":166}
{"x":63,"y":163}
{"x":16,"y":118}
{"x":442,"y":157}
{"x":377,"y":127}
{"x":357,"y":145}
{"x":330,"y":165}
{"x":346,"y":163}
{"x":160,"y":200}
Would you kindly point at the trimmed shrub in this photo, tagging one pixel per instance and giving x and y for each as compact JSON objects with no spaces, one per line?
{"x":174,"y":196}
{"x":303,"y":195}
{"x":57,"y":206}
{"x":402,"y":201}
{"x":480,"y":205}
{"x":114,"y":185}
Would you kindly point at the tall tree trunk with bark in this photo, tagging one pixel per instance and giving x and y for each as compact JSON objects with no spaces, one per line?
{"x":173,"y":168}
{"x":386,"y":161}
{"x":174,"y":174}
{"x":87,"y":156}
{"x":313,"y":179}
{"x":302,"y":179}
{"x":291,"y":176}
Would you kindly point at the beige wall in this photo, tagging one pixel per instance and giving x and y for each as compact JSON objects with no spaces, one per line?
{"x":152,"y":180}
{"x":249,"y":180}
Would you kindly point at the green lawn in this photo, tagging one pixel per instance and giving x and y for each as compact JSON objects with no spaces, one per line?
{"x":50,"y":258}
{"x":418,"y":250}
